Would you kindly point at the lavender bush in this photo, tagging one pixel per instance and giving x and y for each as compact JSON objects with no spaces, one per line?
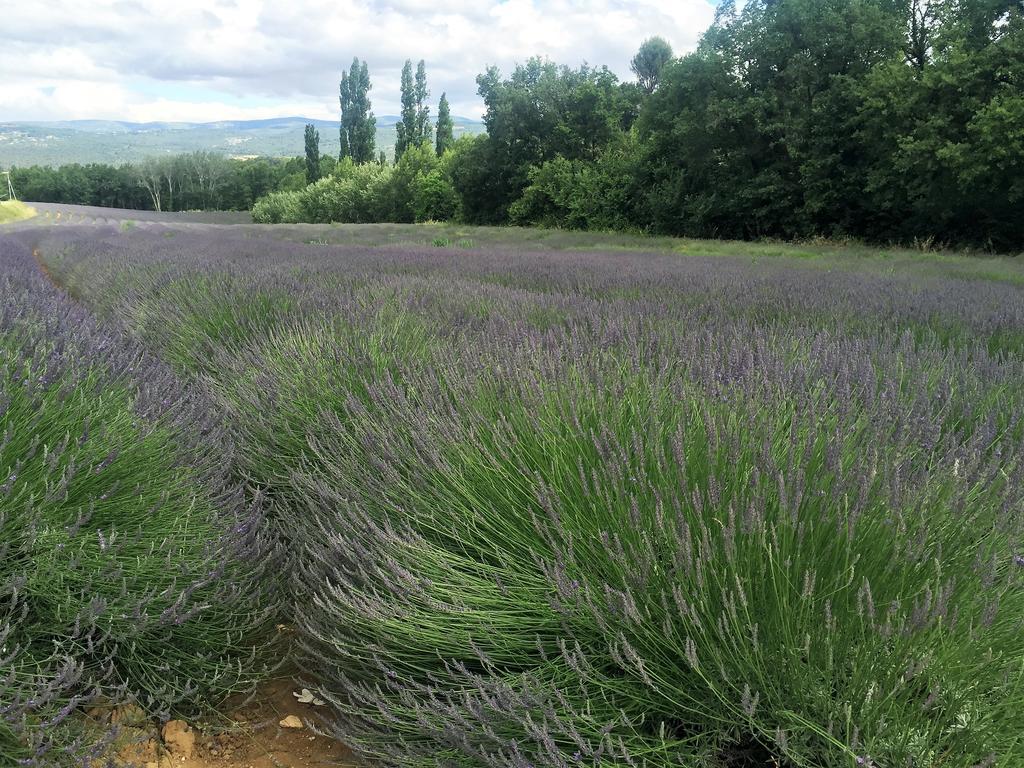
{"x":131,"y":565}
{"x":619,"y":509}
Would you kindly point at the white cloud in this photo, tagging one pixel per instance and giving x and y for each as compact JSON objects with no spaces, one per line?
{"x":230,"y":59}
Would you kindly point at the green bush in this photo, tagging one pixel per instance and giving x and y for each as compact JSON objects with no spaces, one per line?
{"x":434,"y":198}
{"x":278,"y":208}
{"x":601,"y":194}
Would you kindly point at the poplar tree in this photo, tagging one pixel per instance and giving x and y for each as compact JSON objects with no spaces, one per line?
{"x":312,"y":153}
{"x":445,"y":127}
{"x":406,"y":127}
{"x":345,"y":99}
{"x":358,"y":125}
{"x":423,"y":126}
{"x":415,"y":127}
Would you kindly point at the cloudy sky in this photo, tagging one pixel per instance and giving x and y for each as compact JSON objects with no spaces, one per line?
{"x":206,"y":60}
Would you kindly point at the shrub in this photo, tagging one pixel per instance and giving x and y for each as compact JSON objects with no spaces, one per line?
{"x":573,"y":194}
{"x":606,"y":568}
{"x":612,"y":508}
{"x":131,"y":564}
{"x":355,"y":194}
{"x":418,"y":188}
{"x":329,"y":199}
{"x":434,"y":199}
{"x":277,"y":208}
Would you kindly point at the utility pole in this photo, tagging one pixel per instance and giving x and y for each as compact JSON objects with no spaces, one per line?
{"x":10,"y":187}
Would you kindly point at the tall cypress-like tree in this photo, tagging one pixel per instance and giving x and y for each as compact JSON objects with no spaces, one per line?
{"x":423,"y":127}
{"x":358,"y":125}
{"x":364,"y":140}
{"x":445,"y":127}
{"x":345,"y":99}
{"x":406,"y":127}
{"x":415,"y":127}
{"x":312,"y":153}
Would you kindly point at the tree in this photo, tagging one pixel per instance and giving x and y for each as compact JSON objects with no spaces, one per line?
{"x":415,"y":164}
{"x":406,"y":127}
{"x":541,"y":112}
{"x":445,"y":127}
{"x":358,"y":125}
{"x":653,"y":55}
{"x":312,"y":154}
{"x":943,"y":137}
{"x":756,"y":133}
{"x":423,"y":127}
{"x":345,"y":99}
{"x":414,"y":127}
{"x":150,"y":176}
{"x":206,"y":174}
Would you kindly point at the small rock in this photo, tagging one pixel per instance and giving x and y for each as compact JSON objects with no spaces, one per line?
{"x":291,"y":722}
{"x":306,"y":696}
{"x":179,"y":738}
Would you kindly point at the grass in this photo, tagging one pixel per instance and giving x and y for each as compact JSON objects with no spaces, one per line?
{"x":560,"y":239}
{"x":15,"y":210}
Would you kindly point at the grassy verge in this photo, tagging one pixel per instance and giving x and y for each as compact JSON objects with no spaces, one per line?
{"x":15,"y":210}
{"x":822,"y":254}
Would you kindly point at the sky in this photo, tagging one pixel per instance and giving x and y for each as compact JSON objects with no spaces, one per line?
{"x":209,"y":60}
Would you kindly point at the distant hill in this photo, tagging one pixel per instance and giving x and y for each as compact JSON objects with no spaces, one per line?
{"x":114,"y":141}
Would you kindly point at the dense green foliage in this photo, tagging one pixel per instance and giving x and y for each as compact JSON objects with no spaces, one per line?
{"x":614,"y":508}
{"x":414,"y":127}
{"x":312,"y":138}
{"x":445,"y":136}
{"x":198,"y":180}
{"x":417,"y":188}
{"x":882,"y":120}
{"x":652,"y":57}
{"x":805,"y":117}
{"x":358,"y":125}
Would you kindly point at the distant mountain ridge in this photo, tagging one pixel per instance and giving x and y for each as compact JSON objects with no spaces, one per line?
{"x":26,"y":142}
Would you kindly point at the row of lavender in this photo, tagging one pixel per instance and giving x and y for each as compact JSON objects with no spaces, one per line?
{"x":132,"y":568}
{"x":618,"y":509}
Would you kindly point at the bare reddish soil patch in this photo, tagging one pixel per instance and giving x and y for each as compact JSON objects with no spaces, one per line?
{"x":252,"y":736}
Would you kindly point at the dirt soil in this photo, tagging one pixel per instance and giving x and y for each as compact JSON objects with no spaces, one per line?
{"x":248,"y":737}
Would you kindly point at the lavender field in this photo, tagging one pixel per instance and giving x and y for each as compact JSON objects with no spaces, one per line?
{"x":525,"y":499}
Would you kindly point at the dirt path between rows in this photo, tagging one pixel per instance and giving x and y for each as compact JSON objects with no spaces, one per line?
{"x":254,"y":736}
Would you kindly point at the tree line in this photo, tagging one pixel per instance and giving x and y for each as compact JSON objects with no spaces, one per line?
{"x":192,"y":181}
{"x":882,"y":120}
